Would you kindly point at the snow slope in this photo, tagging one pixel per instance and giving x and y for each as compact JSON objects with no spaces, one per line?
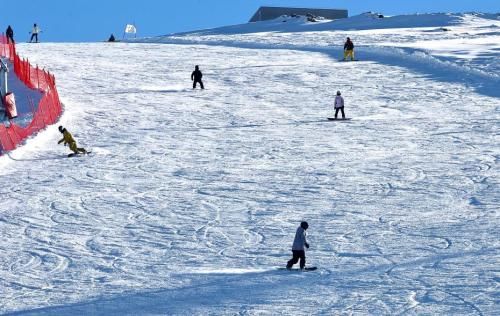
{"x":192,"y":198}
{"x":470,"y":42}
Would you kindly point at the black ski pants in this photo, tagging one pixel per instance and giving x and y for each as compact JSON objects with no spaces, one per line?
{"x":34,"y":35}
{"x":337,"y":112}
{"x":297,"y":254}
{"x":196,"y":81}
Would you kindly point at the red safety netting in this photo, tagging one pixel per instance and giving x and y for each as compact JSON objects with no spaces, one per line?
{"x":49,"y":108}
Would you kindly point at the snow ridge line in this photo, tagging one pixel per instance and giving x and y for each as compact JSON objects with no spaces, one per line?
{"x":414,"y":59}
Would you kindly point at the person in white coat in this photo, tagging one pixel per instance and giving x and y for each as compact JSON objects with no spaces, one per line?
{"x":34,"y":33}
{"x":339,"y":105}
{"x":298,"y":249}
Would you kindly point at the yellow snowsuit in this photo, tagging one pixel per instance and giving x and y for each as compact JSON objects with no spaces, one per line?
{"x":68,"y":139}
{"x":349,"y":53}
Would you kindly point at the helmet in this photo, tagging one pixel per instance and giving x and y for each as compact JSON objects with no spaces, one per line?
{"x":61,"y":129}
{"x":304,"y":225}
{"x":338,"y":92}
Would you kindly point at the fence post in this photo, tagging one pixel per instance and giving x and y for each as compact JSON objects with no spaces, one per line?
{"x":28,"y":72}
{"x":4,"y":88}
{"x":12,"y":51}
{"x":37,"y":77}
{"x":24,"y":71}
{"x":16,"y":65}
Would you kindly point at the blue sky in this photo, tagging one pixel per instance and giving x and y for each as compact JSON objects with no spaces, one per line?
{"x":95,"y":20}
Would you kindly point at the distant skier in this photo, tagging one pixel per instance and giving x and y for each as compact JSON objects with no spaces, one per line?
{"x":196,"y":77}
{"x":339,"y":105}
{"x":68,"y":139}
{"x":112,"y":38}
{"x":298,"y":249}
{"x":349,"y":49}
{"x":34,"y":33}
{"x":10,"y":34}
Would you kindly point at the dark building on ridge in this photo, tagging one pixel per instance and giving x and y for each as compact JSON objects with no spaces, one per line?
{"x":269,"y":13}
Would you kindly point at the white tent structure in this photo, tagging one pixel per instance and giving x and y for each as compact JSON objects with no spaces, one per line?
{"x":130,"y":29}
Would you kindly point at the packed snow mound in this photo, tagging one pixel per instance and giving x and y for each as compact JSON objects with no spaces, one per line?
{"x":365,"y":21}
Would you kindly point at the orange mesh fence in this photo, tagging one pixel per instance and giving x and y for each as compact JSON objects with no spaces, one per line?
{"x":46,"y":112}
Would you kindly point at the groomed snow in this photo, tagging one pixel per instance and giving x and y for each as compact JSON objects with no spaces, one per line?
{"x":468,"y":41}
{"x":191,"y":199}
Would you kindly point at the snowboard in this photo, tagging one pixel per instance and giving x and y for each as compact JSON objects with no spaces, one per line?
{"x":349,"y":60}
{"x":79,"y":154}
{"x":339,"y":119}
{"x":296,"y":269}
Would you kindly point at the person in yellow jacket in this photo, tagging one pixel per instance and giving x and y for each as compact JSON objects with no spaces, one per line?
{"x":348,"y":49}
{"x":69,"y":140}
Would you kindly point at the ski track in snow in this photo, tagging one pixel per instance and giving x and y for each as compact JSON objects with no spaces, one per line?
{"x":191,"y":198}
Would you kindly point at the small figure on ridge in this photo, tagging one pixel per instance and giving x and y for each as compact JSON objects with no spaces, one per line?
{"x":34,"y":33}
{"x":10,"y":34}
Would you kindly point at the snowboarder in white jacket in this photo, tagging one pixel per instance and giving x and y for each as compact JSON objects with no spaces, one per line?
{"x":34,"y":33}
{"x":298,"y":249}
{"x":339,"y":105}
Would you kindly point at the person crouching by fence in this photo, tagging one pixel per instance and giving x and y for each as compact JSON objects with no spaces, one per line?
{"x":10,"y":35}
{"x":349,"y":49}
{"x":196,"y":77}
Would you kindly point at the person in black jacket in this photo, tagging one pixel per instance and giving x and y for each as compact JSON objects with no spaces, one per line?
{"x":196,"y":77}
{"x":349,"y":49}
{"x":10,"y":34}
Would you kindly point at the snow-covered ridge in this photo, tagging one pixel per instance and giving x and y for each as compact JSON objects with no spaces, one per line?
{"x":365,"y":21}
